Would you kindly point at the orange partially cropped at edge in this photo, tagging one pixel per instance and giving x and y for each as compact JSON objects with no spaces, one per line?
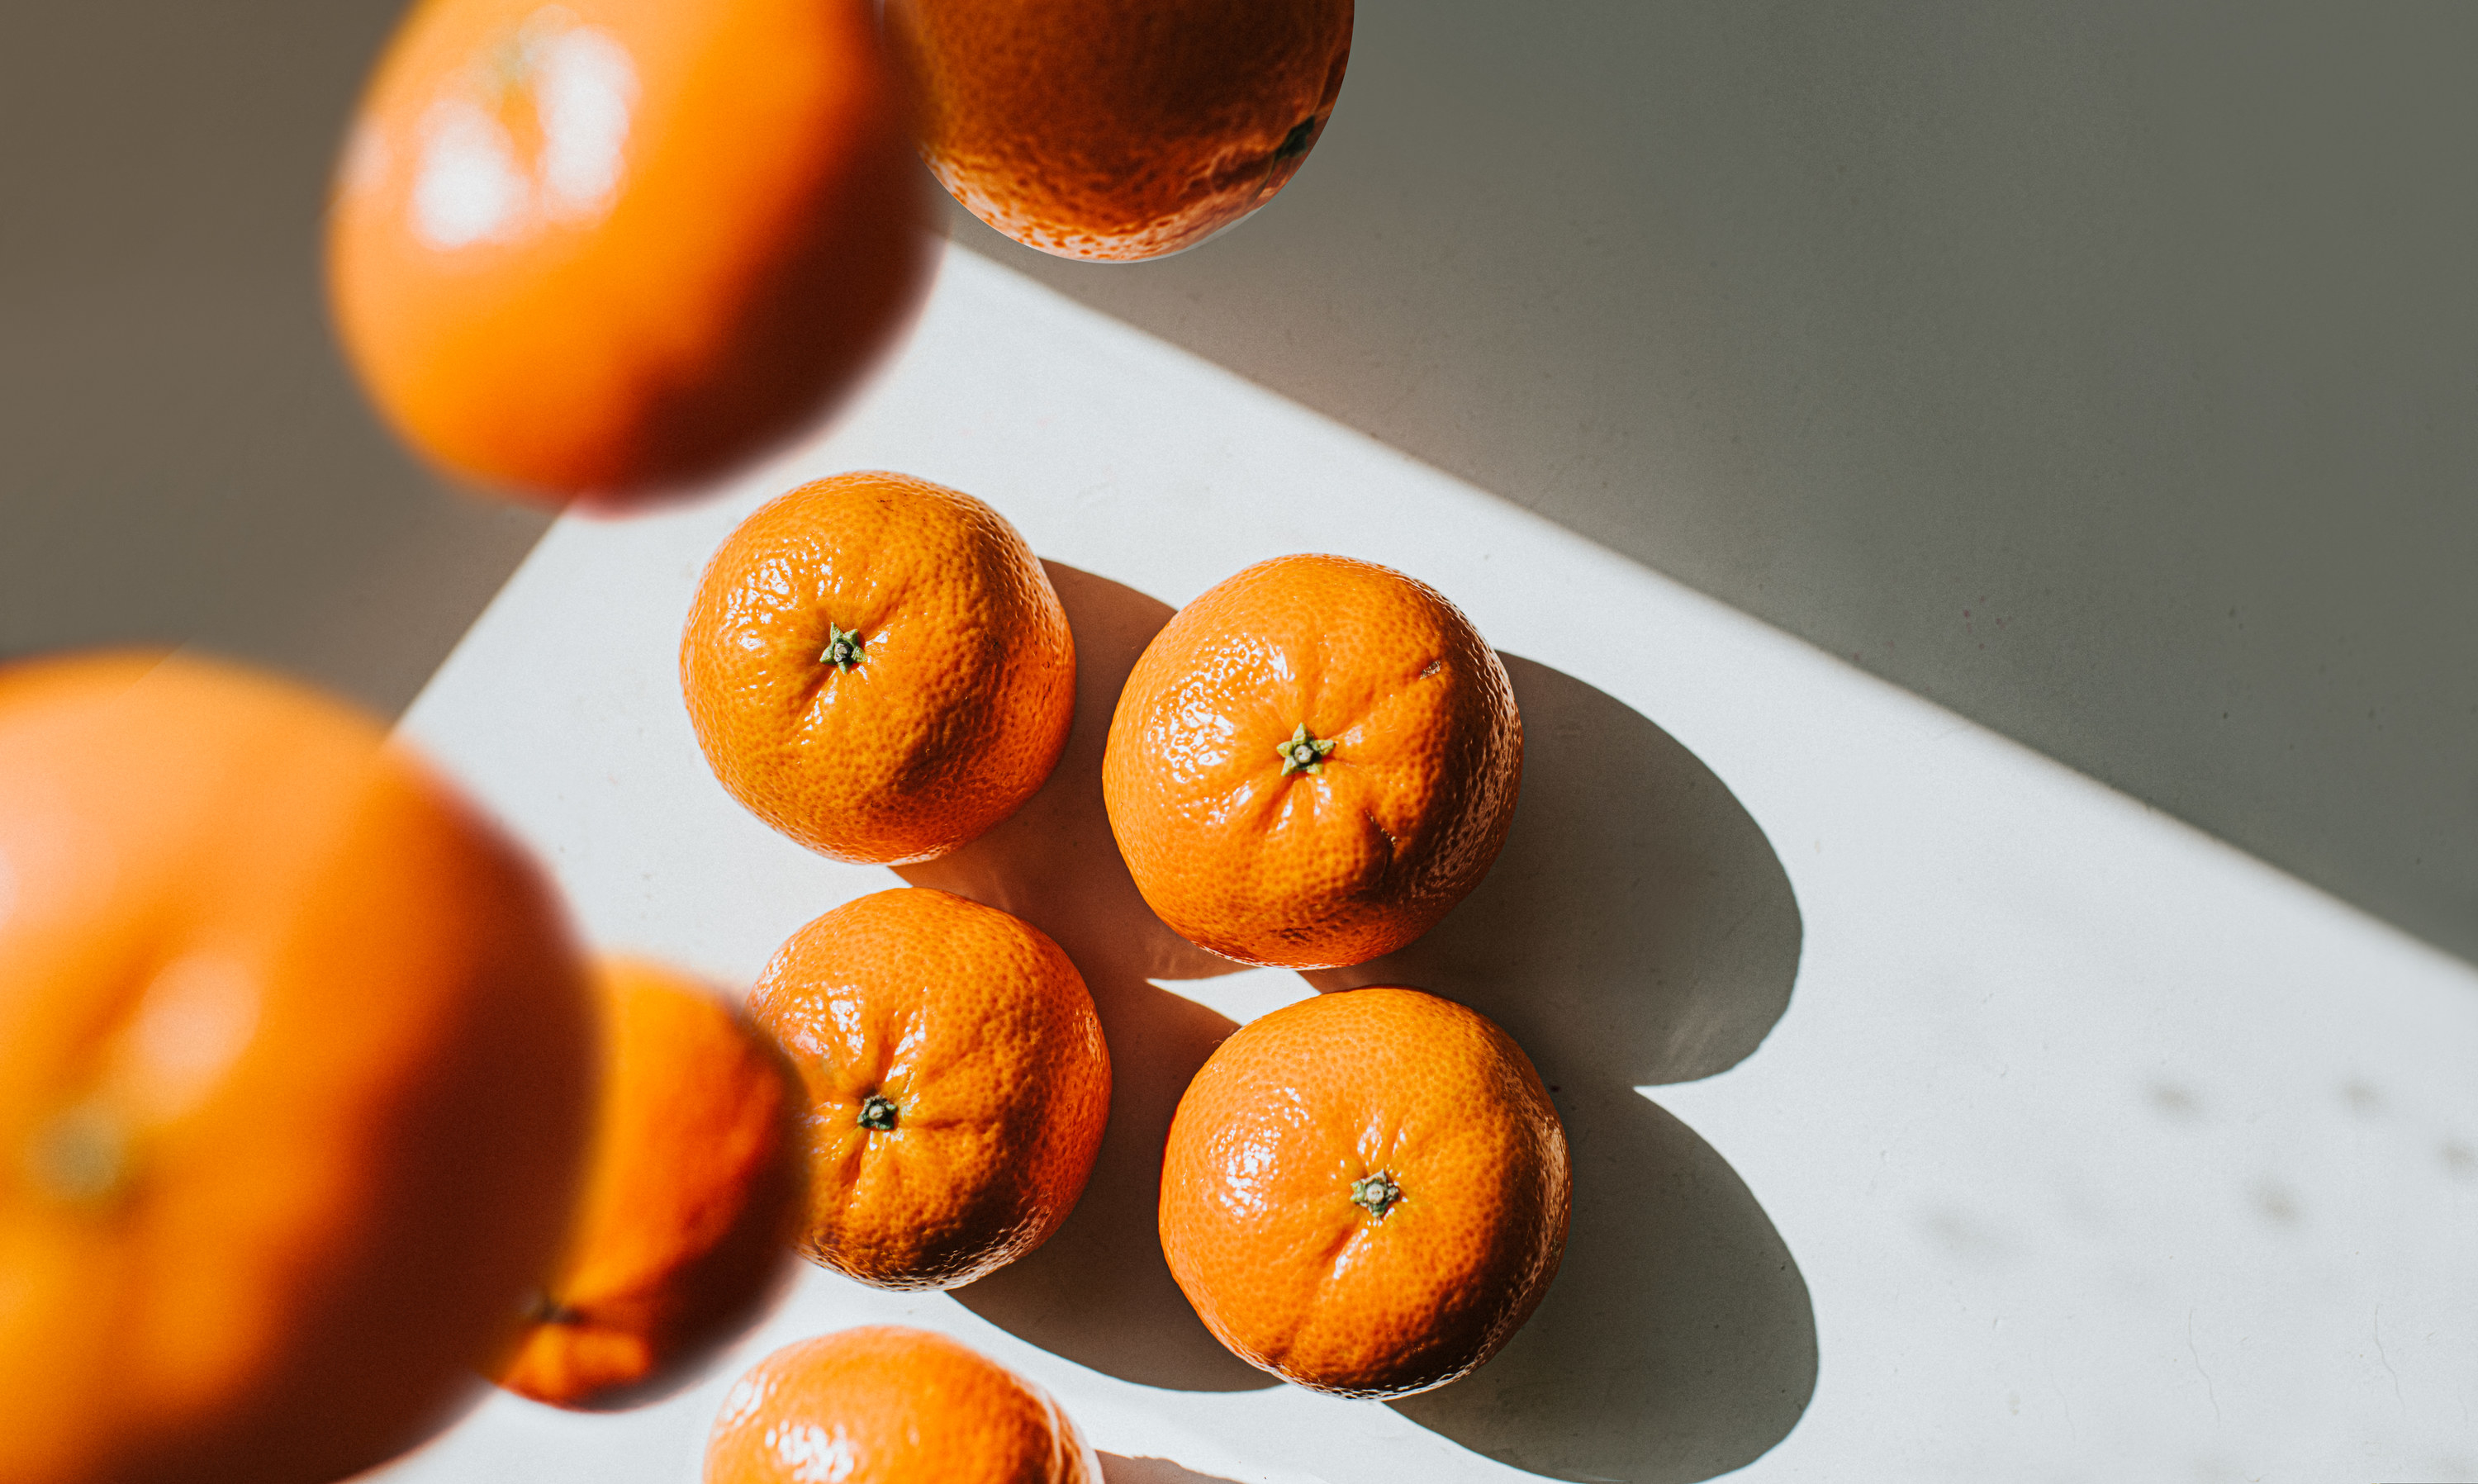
{"x":612,"y":248}
{"x":888,"y":1405}
{"x":1312,"y":762}
{"x":692,"y":1191}
{"x":296,"y":1061}
{"x":1118,"y":130}
{"x":878,"y":667}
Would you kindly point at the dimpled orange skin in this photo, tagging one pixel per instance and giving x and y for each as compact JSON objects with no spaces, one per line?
{"x":957,"y":708}
{"x":892,"y":1405}
{"x":1259,"y":1219}
{"x":1397,"y":821}
{"x":615,"y":247}
{"x":691,"y":1193}
{"x":980,"y":1035}
{"x":1119,"y":130}
{"x":295,"y":1068}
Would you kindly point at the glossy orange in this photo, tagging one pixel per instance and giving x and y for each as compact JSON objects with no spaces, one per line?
{"x":957,"y":1084}
{"x":611,"y":247}
{"x":878,"y":667}
{"x":692,"y":1190}
{"x":1366,"y":1192}
{"x":1312,"y":762}
{"x":889,"y":1405}
{"x":1119,"y":129}
{"x":295,"y":1068}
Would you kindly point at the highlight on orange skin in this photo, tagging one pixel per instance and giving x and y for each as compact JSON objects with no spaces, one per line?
{"x":692,"y":1191}
{"x":296,"y":1061}
{"x":613,"y":248}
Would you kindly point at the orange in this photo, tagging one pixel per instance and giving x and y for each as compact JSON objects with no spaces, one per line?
{"x":1312,"y":762}
{"x":1365,"y":1193}
{"x":690,"y":1194}
{"x":878,"y":667}
{"x":890,"y":1405}
{"x":957,"y":1084}
{"x":613,"y":248}
{"x":295,"y":1069}
{"x":1119,"y":128}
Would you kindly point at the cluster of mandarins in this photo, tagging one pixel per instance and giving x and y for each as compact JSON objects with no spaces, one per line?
{"x":309,"y":1098}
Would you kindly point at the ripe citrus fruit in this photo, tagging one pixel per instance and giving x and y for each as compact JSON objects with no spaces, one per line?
{"x":608,"y":247}
{"x":1119,"y":128}
{"x":890,"y":1405}
{"x":690,"y":1195}
{"x":1365,"y":1193}
{"x":1312,"y":762}
{"x":296,"y":1071}
{"x":957,"y":1084}
{"x":876,"y":666}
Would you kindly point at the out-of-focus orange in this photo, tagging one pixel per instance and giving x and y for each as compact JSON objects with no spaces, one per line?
{"x":1312,"y":762}
{"x":1366,"y":1192}
{"x":297,"y":1064}
{"x":612,"y":247}
{"x":891,"y":1405}
{"x":690,"y":1194}
{"x":1119,"y":128}
{"x":957,"y":1080}
{"x":878,"y":667}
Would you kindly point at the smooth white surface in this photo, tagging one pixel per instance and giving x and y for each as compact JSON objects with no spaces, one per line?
{"x":2101,"y":1151}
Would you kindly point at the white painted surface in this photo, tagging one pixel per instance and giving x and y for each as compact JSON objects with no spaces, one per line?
{"x":2099,"y":1150}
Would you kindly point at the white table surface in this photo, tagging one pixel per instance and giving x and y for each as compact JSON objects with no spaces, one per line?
{"x":1937,"y":1112}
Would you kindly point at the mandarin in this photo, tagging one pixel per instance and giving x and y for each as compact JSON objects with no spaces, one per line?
{"x":878,"y":667}
{"x":1312,"y":762}
{"x":1366,"y":1192}
{"x":297,"y":1063}
{"x":690,"y":1196}
{"x":958,"y":1084}
{"x":892,"y":1405}
{"x":609,"y":248}
{"x":1119,"y":128}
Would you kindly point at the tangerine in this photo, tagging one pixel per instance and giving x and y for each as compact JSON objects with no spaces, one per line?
{"x":295,"y":1068}
{"x":892,"y":1405}
{"x":957,"y":1081}
{"x":1312,"y":762}
{"x":690,"y":1194}
{"x":878,"y":667}
{"x":608,"y":247}
{"x":1366,"y":1192}
{"x":1119,"y":130}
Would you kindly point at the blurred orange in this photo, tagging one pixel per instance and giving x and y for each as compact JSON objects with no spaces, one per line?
{"x":891,"y":1405}
{"x":295,"y":1072}
{"x":693,"y":1188}
{"x":958,"y":1085}
{"x":1119,"y":128}
{"x":879,"y":666}
{"x":615,"y":246}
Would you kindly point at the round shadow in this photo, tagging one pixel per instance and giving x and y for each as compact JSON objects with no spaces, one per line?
{"x":1637,"y":928}
{"x":1098,"y":1291}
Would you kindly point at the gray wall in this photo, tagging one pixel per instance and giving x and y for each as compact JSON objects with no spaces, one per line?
{"x":2107,"y":373}
{"x":182,"y":458}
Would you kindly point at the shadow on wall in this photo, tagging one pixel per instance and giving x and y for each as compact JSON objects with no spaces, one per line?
{"x":1116,"y":1470}
{"x":1636,"y":929}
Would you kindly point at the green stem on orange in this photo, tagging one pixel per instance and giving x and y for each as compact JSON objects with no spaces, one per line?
{"x":843,"y":648}
{"x":877,"y":1112}
{"x":1378,"y":1193}
{"x":1303,"y":753}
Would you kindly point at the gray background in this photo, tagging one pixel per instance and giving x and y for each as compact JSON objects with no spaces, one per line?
{"x":2107,"y":373}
